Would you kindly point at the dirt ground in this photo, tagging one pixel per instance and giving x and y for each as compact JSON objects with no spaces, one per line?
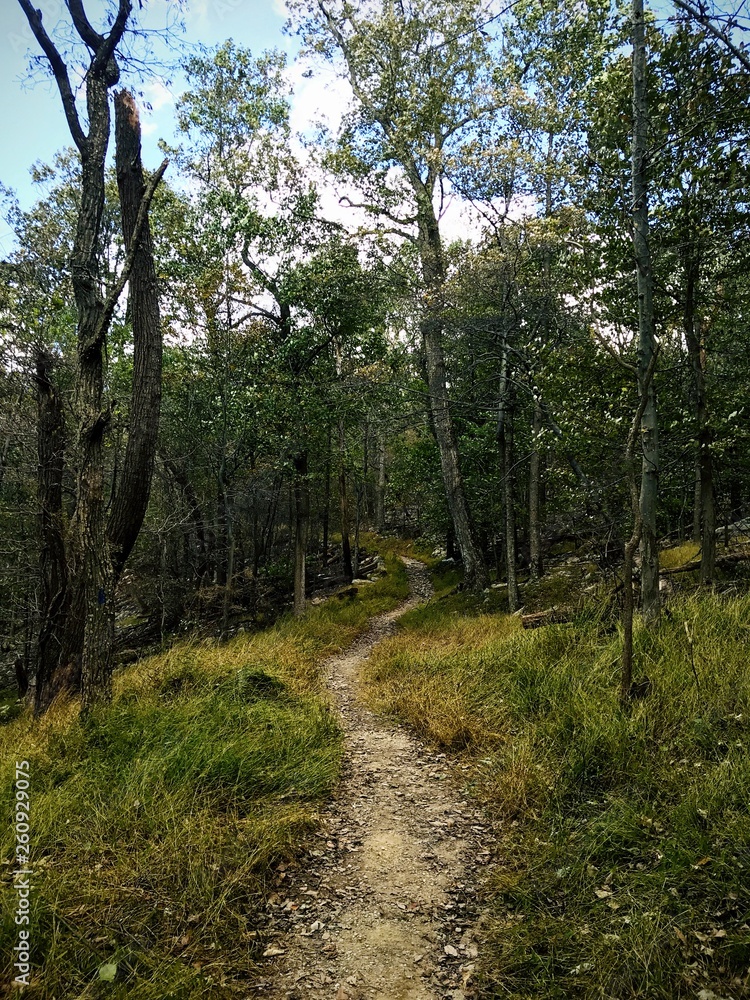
{"x":384,"y":904}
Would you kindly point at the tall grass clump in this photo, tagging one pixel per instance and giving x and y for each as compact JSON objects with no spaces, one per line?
{"x":623,"y":856}
{"x":157,"y":823}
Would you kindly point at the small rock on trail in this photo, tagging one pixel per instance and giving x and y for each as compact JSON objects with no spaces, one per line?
{"x":383,"y":906}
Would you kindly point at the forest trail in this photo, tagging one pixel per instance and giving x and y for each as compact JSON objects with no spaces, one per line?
{"x":384,"y":907}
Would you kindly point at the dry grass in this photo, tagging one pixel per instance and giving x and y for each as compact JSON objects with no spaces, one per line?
{"x":623,"y":838}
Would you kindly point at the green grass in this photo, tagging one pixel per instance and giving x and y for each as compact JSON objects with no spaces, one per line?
{"x":157,"y":823}
{"x":623,"y":838}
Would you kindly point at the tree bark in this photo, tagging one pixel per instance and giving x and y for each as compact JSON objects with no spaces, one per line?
{"x":133,"y":491}
{"x":52,"y":561}
{"x":626,"y":672}
{"x":646,"y":336}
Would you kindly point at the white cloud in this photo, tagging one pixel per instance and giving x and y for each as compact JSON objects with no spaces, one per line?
{"x":157,"y":96}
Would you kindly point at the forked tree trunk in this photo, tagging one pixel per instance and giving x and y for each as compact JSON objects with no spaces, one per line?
{"x":76,"y":646}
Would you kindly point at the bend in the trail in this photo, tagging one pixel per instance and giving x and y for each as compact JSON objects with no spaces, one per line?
{"x":384,"y":907}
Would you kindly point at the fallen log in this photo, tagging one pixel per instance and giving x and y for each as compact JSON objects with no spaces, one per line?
{"x":552,"y":616}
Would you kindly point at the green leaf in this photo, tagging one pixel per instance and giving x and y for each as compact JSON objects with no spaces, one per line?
{"x":108,"y":972}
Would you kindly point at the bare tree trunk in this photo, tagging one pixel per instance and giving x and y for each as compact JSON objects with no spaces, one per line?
{"x":229,"y":540}
{"x":511,"y":556}
{"x":646,"y":338}
{"x":360,"y":495}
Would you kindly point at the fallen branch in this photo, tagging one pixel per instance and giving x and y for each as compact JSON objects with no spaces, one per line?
{"x":723,"y":562}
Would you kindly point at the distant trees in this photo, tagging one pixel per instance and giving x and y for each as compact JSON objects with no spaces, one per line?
{"x":422,"y":82}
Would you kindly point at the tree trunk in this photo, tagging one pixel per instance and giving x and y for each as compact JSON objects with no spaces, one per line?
{"x":626,"y":672}
{"x":380,"y":486}
{"x":197,"y":524}
{"x":646,"y":339}
{"x":433,"y":270}
{"x":52,"y":562}
{"x":535,"y":528}
{"x":92,"y":578}
{"x":133,"y":491}
{"x":697,"y":500}
{"x":504,"y":436}
{"x":346,"y":549}
{"x":327,"y":500}
{"x":301,"y":529}
{"x":704,"y":492}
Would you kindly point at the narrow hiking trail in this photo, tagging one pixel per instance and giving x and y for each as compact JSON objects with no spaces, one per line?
{"x":384,"y":905}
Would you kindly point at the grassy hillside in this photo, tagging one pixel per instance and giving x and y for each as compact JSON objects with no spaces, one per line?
{"x":623,"y":855}
{"x":156,"y":824}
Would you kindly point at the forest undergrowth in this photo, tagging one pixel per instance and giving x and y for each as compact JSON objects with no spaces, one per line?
{"x":157,"y":823}
{"x":623,"y":852}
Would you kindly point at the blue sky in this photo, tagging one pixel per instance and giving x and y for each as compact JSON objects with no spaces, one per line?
{"x":31,"y":118}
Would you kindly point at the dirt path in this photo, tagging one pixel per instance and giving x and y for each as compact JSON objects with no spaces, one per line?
{"x":383,"y":908}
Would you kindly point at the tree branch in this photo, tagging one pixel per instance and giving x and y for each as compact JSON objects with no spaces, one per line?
{"x":106,"y":50}
{"x":83,"y":26}
{"x":702,"y":18}
{"x":59,"y":70}
{"x":377,"y":210}
{"x":610,"y":350}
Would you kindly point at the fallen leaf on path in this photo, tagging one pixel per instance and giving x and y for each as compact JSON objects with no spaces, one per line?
{"x":273,"y":951}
